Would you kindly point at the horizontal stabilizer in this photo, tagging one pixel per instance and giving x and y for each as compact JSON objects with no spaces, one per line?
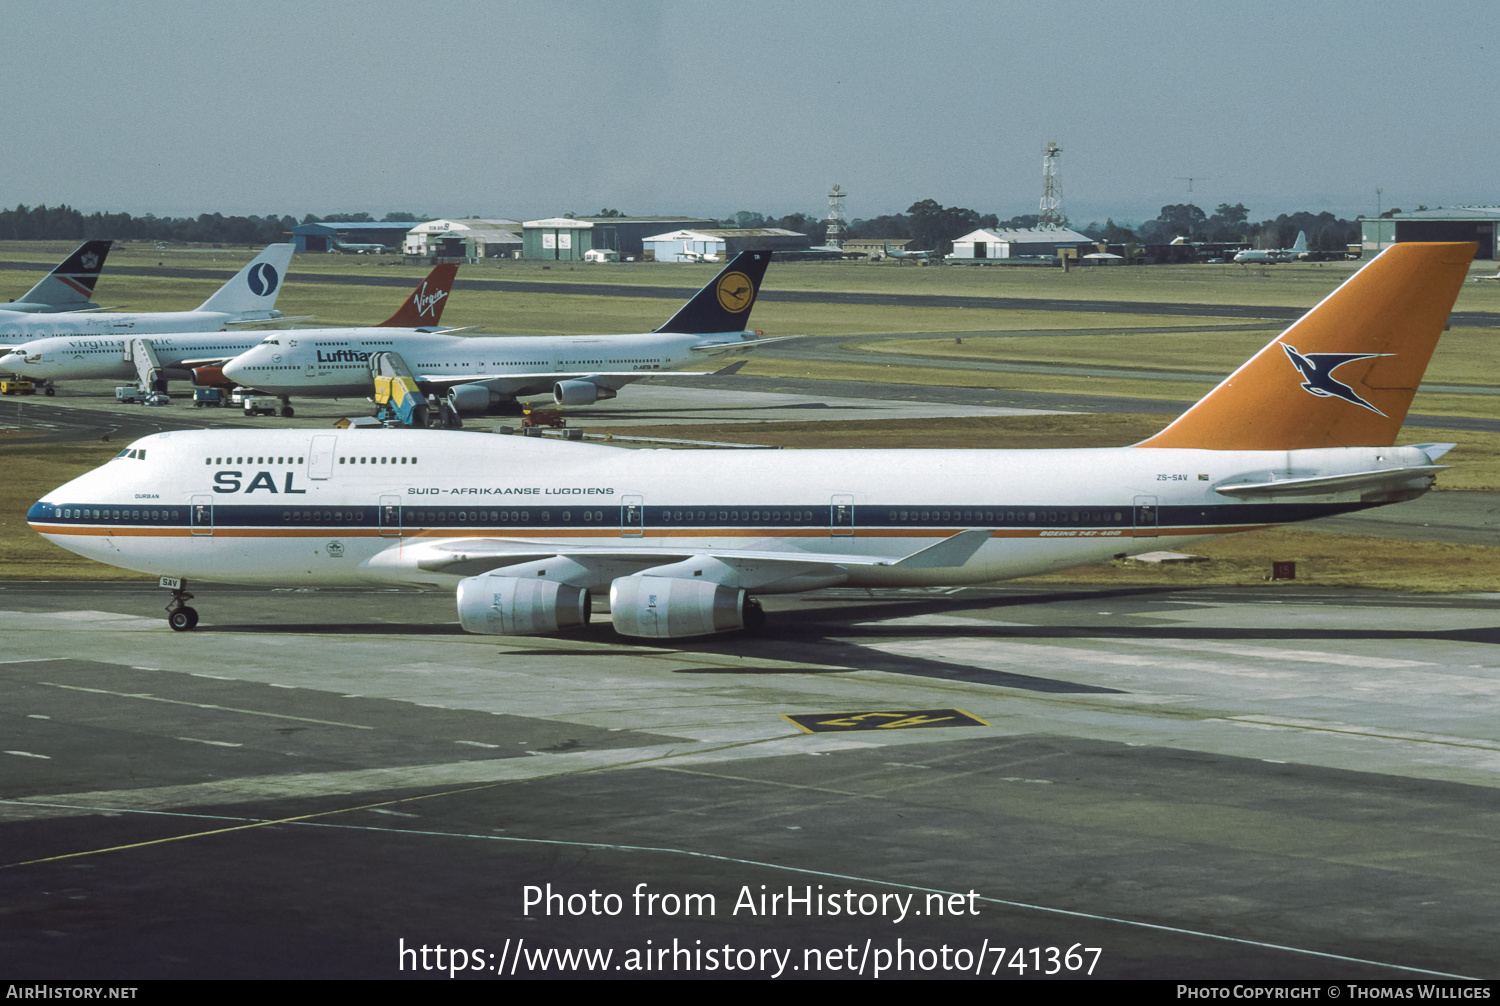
{"x":280,"y":321}
{"x":746,"y":344}
{"x":1326,"y":485}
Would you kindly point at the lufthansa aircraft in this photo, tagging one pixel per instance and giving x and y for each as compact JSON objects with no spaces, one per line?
{"x":528,"y":532}
{"x":82,"y":357}
{"x":484,"y":373}
{"x":69,"y":287}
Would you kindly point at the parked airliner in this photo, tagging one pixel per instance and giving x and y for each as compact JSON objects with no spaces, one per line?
{"x":1273,"y":255}
{"x":486,"y":373}
{"x":247,"y":299}
{"x":82,"y":357}
{"x":528,"y":532}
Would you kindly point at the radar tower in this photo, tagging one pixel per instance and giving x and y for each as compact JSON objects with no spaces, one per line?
{"x":836,"y":227}
{"x":1052,"y":214}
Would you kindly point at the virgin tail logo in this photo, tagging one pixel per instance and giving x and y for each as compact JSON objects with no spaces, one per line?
{"x":427,"y":303}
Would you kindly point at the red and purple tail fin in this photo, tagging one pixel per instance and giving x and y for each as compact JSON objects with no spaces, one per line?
{"x":424,"y":307}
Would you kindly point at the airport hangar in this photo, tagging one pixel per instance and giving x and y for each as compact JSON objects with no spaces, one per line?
{"x":1466,"y":223}
{"x":321,"y":236}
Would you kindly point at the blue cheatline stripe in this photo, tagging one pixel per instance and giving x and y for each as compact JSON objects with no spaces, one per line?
{"x":938,"y":517}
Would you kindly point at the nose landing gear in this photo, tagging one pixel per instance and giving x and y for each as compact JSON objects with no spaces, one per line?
{"x":179,"y":616}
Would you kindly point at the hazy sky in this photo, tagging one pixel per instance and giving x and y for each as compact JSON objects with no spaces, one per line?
{"x":531,"y":109}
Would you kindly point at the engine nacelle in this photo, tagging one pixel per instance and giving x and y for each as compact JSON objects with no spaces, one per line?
{"x":207,"y":377}
{"x":665,"y":607}
{"x":580,"y":392}
{"x":471,"y":399}
{"x":498,"y":605}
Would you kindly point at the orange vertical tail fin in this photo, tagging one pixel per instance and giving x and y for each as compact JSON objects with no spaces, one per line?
{"x":424,"y":308}
{"x":1344,"y":374}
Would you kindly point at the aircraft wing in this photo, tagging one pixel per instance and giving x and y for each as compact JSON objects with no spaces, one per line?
{"x":518,"y":383}
{"x":474,"y":556}
{"x":207,"y":361}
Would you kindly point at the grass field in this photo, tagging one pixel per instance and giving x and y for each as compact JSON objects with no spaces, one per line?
{"x":1295,"y":284}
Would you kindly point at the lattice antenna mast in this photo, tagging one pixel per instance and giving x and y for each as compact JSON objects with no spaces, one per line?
{"x":836,"y":226}
{"x":1052,"y":214}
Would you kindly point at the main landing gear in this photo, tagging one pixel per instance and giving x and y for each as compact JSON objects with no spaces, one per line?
{"x":179,"y":616}
{"x":287,"y":412}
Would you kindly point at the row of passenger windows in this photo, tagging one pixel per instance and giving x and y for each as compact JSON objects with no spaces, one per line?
{"x":265,"y":459}
{"x":307,"y":516}
{"x":775,"y":516}
{"x":417,"y":517}
{"x":1007,"y":516}
{"x":377,"y":461}
{"x":90,"y":513}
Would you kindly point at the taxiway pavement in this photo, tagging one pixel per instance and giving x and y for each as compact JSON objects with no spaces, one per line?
{"x":1279,"y":783}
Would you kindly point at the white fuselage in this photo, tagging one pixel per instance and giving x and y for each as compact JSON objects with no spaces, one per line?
{"x":337,"y":363}
{"x":374,"y":506}
{"x":85,"y":357}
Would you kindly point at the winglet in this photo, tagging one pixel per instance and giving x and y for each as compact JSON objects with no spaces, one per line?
{"x":253,"y":288}
{"x":1344,"y":374}
{"x":955,"y":550}
{"x":724,"y":305}
{"x":424,"y":307}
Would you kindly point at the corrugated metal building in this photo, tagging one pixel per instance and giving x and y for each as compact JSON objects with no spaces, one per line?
{"x":480,"y":238}
{"x":1467,"y":223}
{"x":721,"y":245}
{"x":565,"y":239}
{"x":1041,"y":242}
{"x":323,"y":236}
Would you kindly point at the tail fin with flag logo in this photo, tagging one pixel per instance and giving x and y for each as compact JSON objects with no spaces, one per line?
{"x":1344,"y":374}
{"x":424,"y":307}
{"x":70,"y":286}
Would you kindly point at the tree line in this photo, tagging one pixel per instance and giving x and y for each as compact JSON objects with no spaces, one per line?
{"x":62,"y":222}
{"x":925,"y":224}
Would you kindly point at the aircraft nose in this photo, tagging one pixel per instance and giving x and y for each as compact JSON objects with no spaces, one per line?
{"x":11,"y":361}
{"x":233,"y":369}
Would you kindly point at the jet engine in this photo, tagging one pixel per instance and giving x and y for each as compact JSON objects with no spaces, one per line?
{"x":207,"y":377}
{"x":665,"y":607}
{"x":471,"y":399}
{"x":498,"y":605}
{"x":579,"y":392}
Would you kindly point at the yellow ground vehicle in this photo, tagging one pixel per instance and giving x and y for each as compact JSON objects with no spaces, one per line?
{"x":16,"y":386}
